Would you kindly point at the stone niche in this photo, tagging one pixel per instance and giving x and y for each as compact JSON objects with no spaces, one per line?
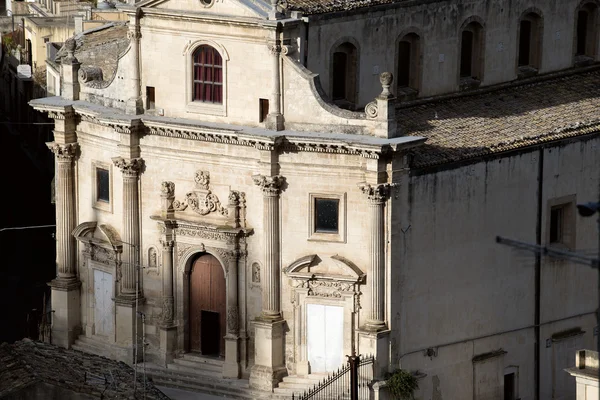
{"x":327,"y":281}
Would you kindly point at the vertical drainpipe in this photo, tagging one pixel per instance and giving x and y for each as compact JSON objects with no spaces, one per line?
{"x":538,"y":266}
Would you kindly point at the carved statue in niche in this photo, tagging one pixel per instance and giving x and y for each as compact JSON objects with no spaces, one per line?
{"x":255,"y":272}
{"x":152,"y":260}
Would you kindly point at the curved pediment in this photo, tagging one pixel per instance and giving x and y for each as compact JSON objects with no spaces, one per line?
{"x":327,"y":268}
{"x":103,"y":234}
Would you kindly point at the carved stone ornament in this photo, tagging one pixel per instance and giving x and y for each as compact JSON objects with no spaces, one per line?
{"x":323,"y":288}
{"x":270,"y":185}
{"x":378,"y":193}
{"x":63,"y":152}
{"x":205,"y":203}
{"x":202,"y":179}
{"x":131,"y":167}
{"x":371,"y":110}
{"x":167,"y":310}
{"x":167,"y":189}
{"x":233,"y":319}
{"x":386,"y":79}
{"x":255,"y":272}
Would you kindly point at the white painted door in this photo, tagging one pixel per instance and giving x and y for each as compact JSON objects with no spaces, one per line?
{"x":325,"y":337}
{"x":103,"y":318}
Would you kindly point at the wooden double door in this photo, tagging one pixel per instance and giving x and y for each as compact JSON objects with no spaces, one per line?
{"x":208,"y":306}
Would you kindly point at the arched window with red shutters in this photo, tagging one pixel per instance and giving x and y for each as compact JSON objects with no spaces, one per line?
{"x":208,"y":75}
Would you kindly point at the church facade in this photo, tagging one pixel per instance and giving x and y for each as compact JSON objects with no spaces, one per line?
{"x":247,"y":181}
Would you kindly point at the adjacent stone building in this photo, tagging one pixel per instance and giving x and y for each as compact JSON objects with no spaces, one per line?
{"x":246,"y":180}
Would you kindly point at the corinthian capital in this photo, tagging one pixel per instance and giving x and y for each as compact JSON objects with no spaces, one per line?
{"x":270,"y":185}
{"x":63,"y":152}
{"x":130,"y":167}
{"x":377,"y":193}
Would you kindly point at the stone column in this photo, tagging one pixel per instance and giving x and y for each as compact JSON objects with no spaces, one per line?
{"x":131,"y":224}
{"x":271,"y":302}
{"x":231,"y":367}
{"x":269,"y":367}
{"x":65,"y":288}
{"x":168,"y":331}
{"x":128,"y":328}
{"x":275,"y":118}
{"x":377,"y":195}
{"x":374,"y":336}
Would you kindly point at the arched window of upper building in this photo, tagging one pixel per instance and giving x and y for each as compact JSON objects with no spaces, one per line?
{"x":408,"y":72}
{"x":344,"y":75}
{"x":471,"y":55}
{"x":529,"y":55}
{"x":586,"y":33}
{"x":207,"y":75}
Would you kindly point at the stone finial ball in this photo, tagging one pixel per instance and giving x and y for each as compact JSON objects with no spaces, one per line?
{"x":386,"y":78}
{"x":70,"y":44}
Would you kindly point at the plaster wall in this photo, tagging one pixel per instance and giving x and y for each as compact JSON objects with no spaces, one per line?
{"x":438,"y":23}
{"x":459,"y":288}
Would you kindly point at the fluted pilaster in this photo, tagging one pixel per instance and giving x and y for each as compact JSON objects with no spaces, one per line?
{"x":65,"y":209}
{"x":233,"y":319}
{"x":271,"y":302}
{"x":131,"y":223}
{"x":168,"y":300}
{"x":377,"y":196}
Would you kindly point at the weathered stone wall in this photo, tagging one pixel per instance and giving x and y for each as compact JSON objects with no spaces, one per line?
{"x":464,"y":295}
{"x":438,"y":23}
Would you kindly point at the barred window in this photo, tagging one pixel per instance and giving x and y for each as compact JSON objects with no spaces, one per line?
{"x":208,"y":75}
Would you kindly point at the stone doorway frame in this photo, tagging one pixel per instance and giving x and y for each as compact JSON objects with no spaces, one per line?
{"x":103,"y":255}
{"x":225,"y":244}
{"x":341,"y":290}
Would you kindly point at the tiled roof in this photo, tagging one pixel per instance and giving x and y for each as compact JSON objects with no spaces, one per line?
{"x":27,"y":363}
{"x":465,"y":127}
{"x":311,"y":7}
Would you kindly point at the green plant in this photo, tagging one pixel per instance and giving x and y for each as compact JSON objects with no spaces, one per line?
{"x":402,"y":384}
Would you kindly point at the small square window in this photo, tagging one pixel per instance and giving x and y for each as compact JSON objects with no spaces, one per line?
{"x":327,"y":215}
{"x":560,"y":228}
{"x":556,"y":224}
{"x":101,"y":186}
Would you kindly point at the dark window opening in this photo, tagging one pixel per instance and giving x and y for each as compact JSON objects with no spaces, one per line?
{"x":525,"y":43}
{"x":509,"y":387}
{"x":263,"y":109}
{"x":102,"y":185}
{"x":466,"y":54}
{"x":582,"y":27}
{"x":556,"y":224}
{"x":404,"y":64}
{"x":150,"y":99}
{"x":208,"y":75}
{"x":340,"y":65}
{"x":327,"y":215}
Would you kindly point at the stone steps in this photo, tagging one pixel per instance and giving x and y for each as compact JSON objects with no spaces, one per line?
{"x":201,"y":374}
{"x":93,"y":346}
{"x":296,"y":385}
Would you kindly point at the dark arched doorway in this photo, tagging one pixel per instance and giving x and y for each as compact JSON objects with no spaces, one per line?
{"x":207,"y":306}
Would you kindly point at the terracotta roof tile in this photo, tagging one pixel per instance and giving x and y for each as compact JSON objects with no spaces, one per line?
{"x":471,"y":126}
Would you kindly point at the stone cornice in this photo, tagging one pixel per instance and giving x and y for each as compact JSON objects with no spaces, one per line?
{"x":286,"y":141}
{"x":186,"y":15}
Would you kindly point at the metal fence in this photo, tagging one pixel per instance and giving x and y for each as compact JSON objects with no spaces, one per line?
{"x":350,"y":382}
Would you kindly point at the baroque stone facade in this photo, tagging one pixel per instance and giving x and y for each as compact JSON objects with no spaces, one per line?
{"x":357,"y":210}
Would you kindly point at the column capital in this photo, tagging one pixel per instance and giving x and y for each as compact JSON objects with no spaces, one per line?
{"x":377,"y":194}
{"x":274,"y":48}
{"x":270,"y":185}
{"x":167,"y":244}
{"x":131,"y":167}
{"x":63,"y":152}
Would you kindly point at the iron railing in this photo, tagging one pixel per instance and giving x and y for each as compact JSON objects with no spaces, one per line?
{"x":350,"y":382}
